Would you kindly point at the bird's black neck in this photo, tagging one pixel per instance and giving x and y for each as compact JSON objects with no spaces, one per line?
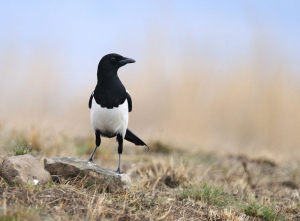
{"x":106,"y":79}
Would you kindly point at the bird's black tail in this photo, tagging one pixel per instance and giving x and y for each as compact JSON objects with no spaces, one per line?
{"x":131,"y":137}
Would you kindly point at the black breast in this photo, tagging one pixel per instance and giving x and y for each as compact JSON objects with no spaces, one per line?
{"x":110,"y":94}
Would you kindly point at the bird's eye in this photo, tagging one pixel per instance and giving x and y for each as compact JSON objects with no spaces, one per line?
{"x":112,"y":59}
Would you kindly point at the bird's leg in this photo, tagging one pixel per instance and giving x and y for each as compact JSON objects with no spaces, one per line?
{"x":98,"y":142}
{"x":119,"y":170}
{"x":91,"y":157}
{"x":120,"y":150}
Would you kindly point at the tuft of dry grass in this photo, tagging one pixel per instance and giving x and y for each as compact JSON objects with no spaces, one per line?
{"x":20,"y":148}
{"x":160,"y":172}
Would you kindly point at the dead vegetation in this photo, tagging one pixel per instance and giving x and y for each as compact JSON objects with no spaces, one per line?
{"x":197,"y":186}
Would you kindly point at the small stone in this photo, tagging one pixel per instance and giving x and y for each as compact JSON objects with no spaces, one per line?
{"x":23,"y":170}
{"x":72,"y":167}
{"x":35,"y":181}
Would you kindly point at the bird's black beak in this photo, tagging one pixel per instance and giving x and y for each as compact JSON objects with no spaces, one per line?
{"x":124,"y":61}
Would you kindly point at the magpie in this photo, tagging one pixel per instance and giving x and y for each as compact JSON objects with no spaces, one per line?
{"x":110,"y":104}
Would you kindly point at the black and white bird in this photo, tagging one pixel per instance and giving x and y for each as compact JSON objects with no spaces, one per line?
{"x":110,"y":104}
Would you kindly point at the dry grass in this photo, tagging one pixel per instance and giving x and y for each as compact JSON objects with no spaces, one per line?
{"x":190,"y":98}
{"x":175,"y":186}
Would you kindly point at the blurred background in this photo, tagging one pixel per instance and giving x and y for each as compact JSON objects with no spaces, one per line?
{"x":219,"y":75}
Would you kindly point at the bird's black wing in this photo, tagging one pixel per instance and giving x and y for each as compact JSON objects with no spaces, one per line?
{"x":129,"y":102}
{"x":91,"y":99}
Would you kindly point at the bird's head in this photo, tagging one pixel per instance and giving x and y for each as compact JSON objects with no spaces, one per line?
{"x":110,"y":63}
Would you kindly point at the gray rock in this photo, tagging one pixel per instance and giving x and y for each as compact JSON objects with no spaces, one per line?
{"x":72,"y":167}
{"x":24,"y":170}
{"x":3,"y":157}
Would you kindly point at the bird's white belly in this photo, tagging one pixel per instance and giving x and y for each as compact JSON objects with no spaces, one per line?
{"x":110,"y":121}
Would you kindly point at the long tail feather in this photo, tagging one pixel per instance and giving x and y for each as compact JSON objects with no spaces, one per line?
{"x":131,"y":137}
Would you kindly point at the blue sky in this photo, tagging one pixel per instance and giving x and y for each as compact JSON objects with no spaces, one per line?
{"x":81,"y":32}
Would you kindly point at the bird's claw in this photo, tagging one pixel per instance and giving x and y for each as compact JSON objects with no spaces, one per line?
{"x":119,"y":171}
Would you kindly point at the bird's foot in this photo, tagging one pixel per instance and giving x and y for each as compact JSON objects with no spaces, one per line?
{"x":119,"y":171}
{"x":91,"y":160}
